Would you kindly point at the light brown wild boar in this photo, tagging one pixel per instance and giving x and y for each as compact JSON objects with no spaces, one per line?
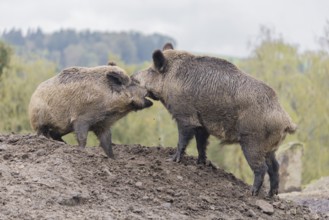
{"x":84,"y":99}
{"x":210,"y":96}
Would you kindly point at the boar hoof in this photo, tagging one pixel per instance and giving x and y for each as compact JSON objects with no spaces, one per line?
{"x":273,"y":192}
{"x":177,"y":157}
{"x":109,"y":155}
{"x":201,"y":161}
{"x":81,"y":147}
{"x":254,"y":191}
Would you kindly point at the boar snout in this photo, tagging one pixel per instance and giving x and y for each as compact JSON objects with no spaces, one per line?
{"x":139,"y":106}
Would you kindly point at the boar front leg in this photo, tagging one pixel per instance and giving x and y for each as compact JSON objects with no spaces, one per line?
{"x":256,"y":160}
{"x":105,"y":138}
{"x":185,"y":134}
{"x":201,"y":136}
{"x":81,"y":130}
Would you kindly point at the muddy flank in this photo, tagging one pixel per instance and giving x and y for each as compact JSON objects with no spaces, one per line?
{"x":45,"y":179}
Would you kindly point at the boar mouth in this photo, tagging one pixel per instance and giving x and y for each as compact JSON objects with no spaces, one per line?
{"x":152,"y":96}
{"x":148,"y":103}
{"x":136,"y":107}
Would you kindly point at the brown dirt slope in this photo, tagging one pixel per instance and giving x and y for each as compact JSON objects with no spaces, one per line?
{"x":45,"y":179}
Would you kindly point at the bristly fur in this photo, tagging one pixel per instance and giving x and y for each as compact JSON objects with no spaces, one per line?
{"x":211,"y":96}
{"x":84,"y":99}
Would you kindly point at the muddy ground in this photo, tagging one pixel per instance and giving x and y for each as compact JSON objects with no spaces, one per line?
{"x":45,"y":179}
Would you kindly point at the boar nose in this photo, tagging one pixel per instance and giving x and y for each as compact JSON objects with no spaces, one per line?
{"x":148,"y":103}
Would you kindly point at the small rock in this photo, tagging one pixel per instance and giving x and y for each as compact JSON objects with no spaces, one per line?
{"x":145,"y":197}
{"x":192,"y":207}
{"x":265,"y":206}
{"x":25,"y":156}
{"x":21,"y":167}
{"x":282,"y":206}
{"x":166,"y":205}
{"x":251,"y":213}
{"x":15,"y":174}
{"x":180,"y":177}
{"x":293,"y":211}
{"x":72,"y":201}
{"x":41,"y":153}
{"x":160,"y":189}
{"x":6,"y":156}
{"x":277,"y":204}
{"x":140,"y":163}
{"x":130,"y":208}
{"x":315,"y":216}
{"x":207,"y":199}
{"x":138,"y":184}
{"x":137,"y":210}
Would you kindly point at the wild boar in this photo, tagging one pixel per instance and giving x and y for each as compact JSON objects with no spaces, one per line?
{"x":211,"y":96}
{"x":84,"y":99}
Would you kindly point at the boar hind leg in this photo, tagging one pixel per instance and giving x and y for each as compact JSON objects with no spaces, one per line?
{"x":201,"y":136}
{"x":256,"y":161}
{"x":185,"y":134}
{"x":105,"y":139}
{"x":273,"y":172}
{"x":81,"y":131}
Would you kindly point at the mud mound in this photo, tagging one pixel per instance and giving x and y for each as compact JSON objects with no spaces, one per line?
{"x":45,"y":179}
{"x":315,"y":195}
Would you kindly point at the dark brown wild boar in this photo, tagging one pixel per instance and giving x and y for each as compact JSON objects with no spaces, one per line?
{"x":84,"y":99}
{"x":210,"y":96}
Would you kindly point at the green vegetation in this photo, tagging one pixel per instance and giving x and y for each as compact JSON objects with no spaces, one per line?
{"x":301,"y":81}
{"x":5,"y":53}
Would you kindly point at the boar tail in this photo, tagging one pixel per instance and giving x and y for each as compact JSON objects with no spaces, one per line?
{"x":291,"y":129}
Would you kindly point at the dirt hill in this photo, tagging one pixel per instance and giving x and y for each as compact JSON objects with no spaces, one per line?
{"x":45,"y":179}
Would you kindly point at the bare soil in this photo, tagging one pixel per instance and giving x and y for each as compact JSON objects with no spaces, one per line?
{"x":315,"y":195}
{"x":46,"y":179}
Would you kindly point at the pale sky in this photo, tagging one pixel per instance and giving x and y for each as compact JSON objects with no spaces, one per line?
{"x":205,"y":26}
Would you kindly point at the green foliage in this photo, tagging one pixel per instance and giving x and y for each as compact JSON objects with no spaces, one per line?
{"x":5,"y":53}
{"x":16,"y":87}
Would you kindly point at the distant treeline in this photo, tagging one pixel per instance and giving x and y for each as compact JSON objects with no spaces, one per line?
{"x":84,"y":48}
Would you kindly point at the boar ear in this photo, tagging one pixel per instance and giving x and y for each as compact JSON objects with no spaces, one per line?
{"x":111,"y":63}
{"x":117,"y":78}
{"x":159,"y":61}
{"x":168,"y":46}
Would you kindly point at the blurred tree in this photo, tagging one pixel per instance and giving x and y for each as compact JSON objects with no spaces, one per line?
{"x":131,"y":47}
{"x":16,"y":87}
{"x":5,"y":53}
{"x":324,"y":40}
{"x":14,"y":37}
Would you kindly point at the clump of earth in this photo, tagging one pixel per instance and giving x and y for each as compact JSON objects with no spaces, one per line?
{"x":46,"y":179}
